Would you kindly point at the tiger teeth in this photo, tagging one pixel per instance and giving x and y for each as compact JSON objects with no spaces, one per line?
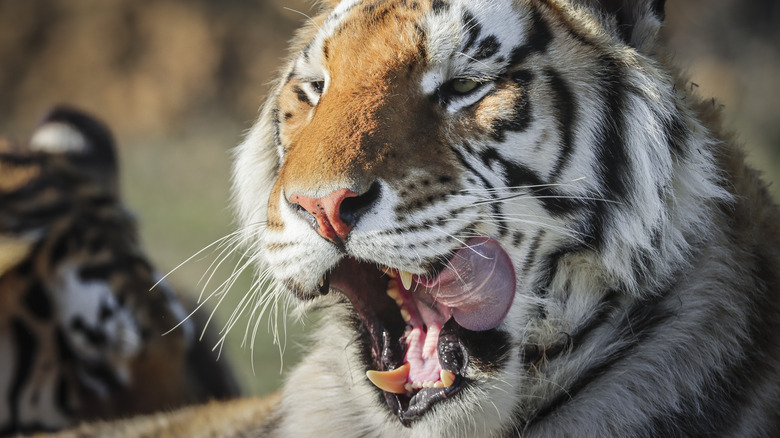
{"x":411,"y":386}
{"x":405,"y":314}
{"x":447,"y":378}
{"x":394,"y":293}
{"x":406,"y":279}
{"x":322,"y":281}
{"x":390,"y":381}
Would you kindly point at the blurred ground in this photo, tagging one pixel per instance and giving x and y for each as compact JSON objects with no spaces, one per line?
{"x":180,"y":80}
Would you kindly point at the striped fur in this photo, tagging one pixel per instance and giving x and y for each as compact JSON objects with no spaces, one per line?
{"x":646,"y":253}
{"x":80,"y":331}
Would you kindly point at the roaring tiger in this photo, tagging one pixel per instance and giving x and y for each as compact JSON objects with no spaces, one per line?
{"x":515,"y":220}
{"x":81,"y":334}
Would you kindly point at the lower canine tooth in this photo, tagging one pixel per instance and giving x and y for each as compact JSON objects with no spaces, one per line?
{"x":406,"y":279}
{"x":390,"y":381}
{"x":405,"y":315}
{"x":447,"y":378}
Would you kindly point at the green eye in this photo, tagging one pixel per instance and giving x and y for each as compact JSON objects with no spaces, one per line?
{"x":464,"y":86}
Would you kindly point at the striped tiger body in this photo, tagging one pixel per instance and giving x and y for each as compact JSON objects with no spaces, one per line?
{"x":515,"y":221}
{"x":81,"y":335}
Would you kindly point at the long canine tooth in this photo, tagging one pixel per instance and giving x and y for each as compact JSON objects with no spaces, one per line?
{"x":447,"y":378}
{"x":390,"y":381}
{"x":406,"y":279}
{"x":322,"y":281}
{"x":405,"y":315}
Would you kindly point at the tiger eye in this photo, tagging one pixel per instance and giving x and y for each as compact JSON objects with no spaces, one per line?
{"x":463,"y":86}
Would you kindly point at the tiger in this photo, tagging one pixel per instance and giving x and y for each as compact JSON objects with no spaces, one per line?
{"x":515,"y":219}
{"x":86,"y":321}
{"x":511,"y":218}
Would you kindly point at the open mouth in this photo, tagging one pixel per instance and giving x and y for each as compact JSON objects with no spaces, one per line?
{"x":414,"y":324}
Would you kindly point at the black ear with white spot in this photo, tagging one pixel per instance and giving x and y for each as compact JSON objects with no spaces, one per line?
{"x":638,"y":21}
{"x":83,"y":140}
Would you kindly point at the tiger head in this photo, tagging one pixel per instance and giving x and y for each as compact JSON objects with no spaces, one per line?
{"x":473,"y":181}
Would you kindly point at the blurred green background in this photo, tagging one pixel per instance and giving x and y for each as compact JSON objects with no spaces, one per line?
{"x":181,"y":80}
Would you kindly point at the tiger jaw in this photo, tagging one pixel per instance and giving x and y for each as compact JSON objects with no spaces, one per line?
{"x":413,"y":327}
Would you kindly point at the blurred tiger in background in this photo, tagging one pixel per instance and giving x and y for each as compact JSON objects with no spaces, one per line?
{"x":81,"y":329}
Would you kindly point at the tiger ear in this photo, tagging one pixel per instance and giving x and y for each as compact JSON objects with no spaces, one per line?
{"x":80,"y":139}
{"x":638,"y":21}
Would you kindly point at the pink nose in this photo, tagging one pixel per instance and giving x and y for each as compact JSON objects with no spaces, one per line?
{"x":326,"y":211}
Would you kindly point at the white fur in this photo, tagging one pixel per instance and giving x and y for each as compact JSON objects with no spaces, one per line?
{"x":58,"y":137}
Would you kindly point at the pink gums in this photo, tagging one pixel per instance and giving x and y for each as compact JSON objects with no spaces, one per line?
{"x":422,"y":338}
{"x":477,"y":289}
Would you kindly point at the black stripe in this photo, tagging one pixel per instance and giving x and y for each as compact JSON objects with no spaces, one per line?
{"x":539,"y":38}
{"x":37,"y":301}
{"x":473,"y":29}
{"x":515,"y":174}
{"x":96,"y":337}
{"x":529,"y":259}
{"x":277,"y":130}
{"x":103,"y":270}
{"x":26,"y":346}
{"x":487,"y":48}
{"x":59,"y":249}
{"x":564,"y":102}
{"x":548,"y":267}
{"x":610,"y":144}
{"x":675,"y":133}
{"x":658,"y":9}
{"x":613,"y":163}
{"x":495,"y":206}
{"x":325,"y":50}
{"x":302,"y":96}
{"x":440,"y":6}
{"x":519,"y":176}
{"x":517,"y":238}
{"x":597,"y":318}
{"x":290,"y":77}
{"x":306,"y":50}
{"x":62,"y":395}
{"x":521,"y":116}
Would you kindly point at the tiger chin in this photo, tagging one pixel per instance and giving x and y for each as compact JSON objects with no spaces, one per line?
{"x":514,"y":220}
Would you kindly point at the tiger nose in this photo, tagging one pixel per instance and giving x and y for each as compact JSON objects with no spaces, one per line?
{"x":334,"y":215}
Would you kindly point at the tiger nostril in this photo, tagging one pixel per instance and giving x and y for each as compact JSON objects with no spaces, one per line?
{"x":334,"y":215}
{"x":353,"y":208}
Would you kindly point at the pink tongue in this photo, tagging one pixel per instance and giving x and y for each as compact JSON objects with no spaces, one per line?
{"x":478,"y":285}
